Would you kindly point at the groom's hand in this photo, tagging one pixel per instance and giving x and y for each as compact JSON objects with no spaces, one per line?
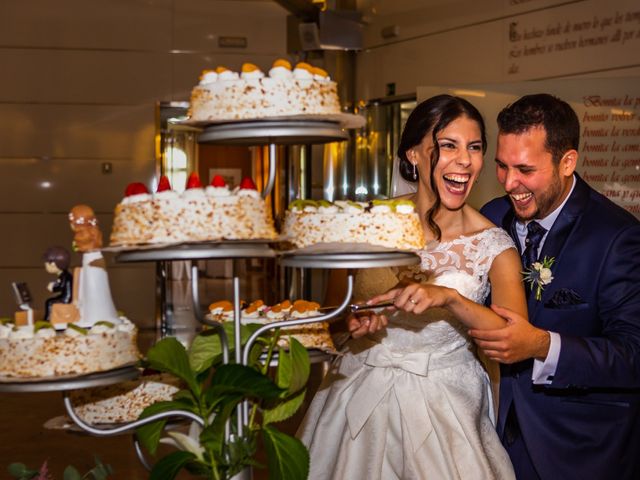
{"x":518,"y":340}
{"x":360,"y":324}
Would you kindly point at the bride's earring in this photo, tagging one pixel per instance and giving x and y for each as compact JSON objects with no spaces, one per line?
{"x":415,"y":172}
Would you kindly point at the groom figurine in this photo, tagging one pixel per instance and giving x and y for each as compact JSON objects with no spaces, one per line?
{"x":570,"y":387}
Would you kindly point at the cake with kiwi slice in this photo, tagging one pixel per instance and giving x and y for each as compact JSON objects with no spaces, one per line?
{"x":40,"y":351}
{"x":392,"y":224}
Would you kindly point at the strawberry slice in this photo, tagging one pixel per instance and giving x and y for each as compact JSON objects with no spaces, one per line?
{"x":163,"y":184}
{"x":218,"y":181}
{"x":135,"y":188}
{"x":193,"y":181}
{"x":247,"y":184}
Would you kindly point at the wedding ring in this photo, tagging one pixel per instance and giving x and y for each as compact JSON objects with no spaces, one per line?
{"x":412,"y":301}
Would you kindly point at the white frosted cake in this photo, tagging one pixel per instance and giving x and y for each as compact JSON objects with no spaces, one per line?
{"x":387,"y":223}
{"x":198,"y":214}
{"x":125,"y":401}
{"x":226,"y":95}
{"x":312,"y":335}
{"x":40,"y":351}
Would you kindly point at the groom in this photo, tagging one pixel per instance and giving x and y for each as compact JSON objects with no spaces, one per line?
{"x":570,"y":387}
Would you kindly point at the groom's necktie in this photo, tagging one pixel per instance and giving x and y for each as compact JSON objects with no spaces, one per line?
{"x":535,"y":233}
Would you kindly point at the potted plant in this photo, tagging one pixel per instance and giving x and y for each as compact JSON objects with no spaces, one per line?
{"x":213,"y":392}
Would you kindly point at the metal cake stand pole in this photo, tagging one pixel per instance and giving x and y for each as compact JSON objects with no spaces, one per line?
{"x":237,"y":341}
{"x":140,"y":453}
{"x":217,"y":326}
{"x":197,"y":311}
{"x":224,"y":341}
{"x":291,"y":323}
{"x":272,"y":170}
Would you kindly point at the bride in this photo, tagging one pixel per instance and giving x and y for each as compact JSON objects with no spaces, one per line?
{"x":409,"y":399}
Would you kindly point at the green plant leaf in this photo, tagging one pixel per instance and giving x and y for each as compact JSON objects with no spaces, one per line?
{"x":149,"y":435}
{"x":212,"y":436}
{"x":241,"y":451}
{"x":241,"y":379}
{"x":204,"y":348}
{"x":254,"y":355}
{"x":20,"y":471}
{"x":70,"y":473}
{"x":293,"y":367}
{"x":283,"y":410}
{"x":169,"y":355}
{"x":288,"y":458}
{"x":100,"y":471}
{"x":199,"y":469}
{"x":186,"y":397}
{"x":168,"y":467}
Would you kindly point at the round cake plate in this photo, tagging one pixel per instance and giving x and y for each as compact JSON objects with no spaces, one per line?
{"x":52,"y":384}
{"x":281,"y":132}
{"x":198,"y":251}
{"x":350,"y":260}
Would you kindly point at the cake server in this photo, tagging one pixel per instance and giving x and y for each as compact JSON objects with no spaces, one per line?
{"x":360,"y":307}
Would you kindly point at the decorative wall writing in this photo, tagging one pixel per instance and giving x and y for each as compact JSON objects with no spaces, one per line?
{"x":566,"y":35}
{"x":610,"y":146}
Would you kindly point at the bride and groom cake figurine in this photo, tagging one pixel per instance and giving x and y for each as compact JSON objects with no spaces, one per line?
{"x":83,"y":298}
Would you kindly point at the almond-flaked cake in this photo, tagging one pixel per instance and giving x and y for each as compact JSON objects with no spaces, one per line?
{"x":388,"y":223}
{"x":125,"y":401}
{"x":198,"y":214}
{"x":226,"y":95}
{"x":35,"y":351}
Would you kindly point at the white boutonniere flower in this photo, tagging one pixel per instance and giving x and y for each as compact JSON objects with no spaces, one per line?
{"x":539,"y":275}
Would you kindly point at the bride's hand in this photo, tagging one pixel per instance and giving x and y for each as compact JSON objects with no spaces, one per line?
{"x":416,"y":298}
{"x":360,"y":324}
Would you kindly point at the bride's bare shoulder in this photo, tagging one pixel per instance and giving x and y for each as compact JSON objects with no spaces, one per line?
{"x":476,"y":222}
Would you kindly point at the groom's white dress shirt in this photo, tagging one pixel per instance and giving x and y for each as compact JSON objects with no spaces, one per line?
{"x":543,"y":371}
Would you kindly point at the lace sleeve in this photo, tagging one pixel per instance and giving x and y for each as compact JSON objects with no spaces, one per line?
{"x":491,"y":243}
{"x":488,"y":245}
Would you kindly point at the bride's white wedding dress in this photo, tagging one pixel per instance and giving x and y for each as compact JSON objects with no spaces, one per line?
{"x":413,"y":401}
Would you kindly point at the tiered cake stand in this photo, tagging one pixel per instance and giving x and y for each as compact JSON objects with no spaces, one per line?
{"x":250,"y":133}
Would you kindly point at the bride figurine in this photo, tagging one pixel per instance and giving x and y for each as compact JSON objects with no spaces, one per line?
{"x":410,"y":398}
{"x":94,"y":295}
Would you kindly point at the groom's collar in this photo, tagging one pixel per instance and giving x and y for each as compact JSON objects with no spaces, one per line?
{"x":574,"y":205}
{"x":548,"y":221}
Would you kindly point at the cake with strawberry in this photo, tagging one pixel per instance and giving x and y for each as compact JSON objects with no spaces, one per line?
{"x":210,"y":213}
{"x":387,"y":223}
{"x":226,"y":95}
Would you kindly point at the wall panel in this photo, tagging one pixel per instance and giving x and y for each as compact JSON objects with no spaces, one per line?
{"x":84,"y":76}
{"x":113,"y":24}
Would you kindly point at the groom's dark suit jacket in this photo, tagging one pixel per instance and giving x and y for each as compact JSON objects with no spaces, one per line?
{"x":586,"y":423}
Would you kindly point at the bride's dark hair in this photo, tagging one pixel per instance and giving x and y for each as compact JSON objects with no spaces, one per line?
{"x":433,"y":115}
